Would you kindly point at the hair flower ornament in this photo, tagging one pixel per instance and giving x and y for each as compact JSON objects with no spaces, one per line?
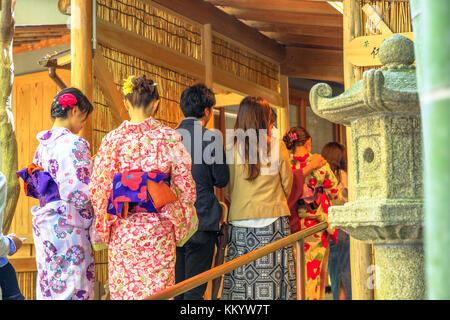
{"x":128,"y":86}
{"x":293,"y":136}
{"x":67,"y":100}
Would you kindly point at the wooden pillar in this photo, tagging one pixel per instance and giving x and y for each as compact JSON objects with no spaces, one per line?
{"x":207,"y":57}
{"x":360,"y":253}
{"x":81,"y":50}
{"x":303,"y":113}
{"x":284,"y":110}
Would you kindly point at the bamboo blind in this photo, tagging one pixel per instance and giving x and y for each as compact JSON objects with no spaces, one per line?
{"x":395,"y":13}
{"x":245,"y":64}
{"x":170,"y":86}
{"x":398,"y":18}
{"x":154,"y":24}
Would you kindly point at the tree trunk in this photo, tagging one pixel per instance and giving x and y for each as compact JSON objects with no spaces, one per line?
{"x":8,"y":143}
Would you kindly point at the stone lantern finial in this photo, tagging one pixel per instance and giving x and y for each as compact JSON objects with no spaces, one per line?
{"x":396,"y":50}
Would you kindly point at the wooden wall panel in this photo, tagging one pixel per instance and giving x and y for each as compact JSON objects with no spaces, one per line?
{"x":32,"y":97}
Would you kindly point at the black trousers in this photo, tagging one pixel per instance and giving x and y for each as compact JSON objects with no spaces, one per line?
{"x":194,"y":258}
{"x":8,"y":283}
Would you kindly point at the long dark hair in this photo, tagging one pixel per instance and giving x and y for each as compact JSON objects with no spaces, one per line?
{"x":254,"y":113}
{"x":59,"y":110}
{"x":336,"y":156}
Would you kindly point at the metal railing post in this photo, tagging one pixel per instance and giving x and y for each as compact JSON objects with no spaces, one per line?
{"x":301,"y":269}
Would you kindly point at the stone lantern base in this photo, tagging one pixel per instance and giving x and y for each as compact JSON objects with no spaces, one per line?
{"x":399,"y":271}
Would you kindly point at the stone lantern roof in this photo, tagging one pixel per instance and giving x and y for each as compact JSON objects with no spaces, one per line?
{"x":389,"y":90}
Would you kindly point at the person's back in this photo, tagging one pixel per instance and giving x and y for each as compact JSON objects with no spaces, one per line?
{"x":259,"y":211}
{"x":209,"y":170}
{"x":141,"y":242}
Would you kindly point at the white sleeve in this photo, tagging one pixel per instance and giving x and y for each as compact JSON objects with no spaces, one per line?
{"x":4,"y":241}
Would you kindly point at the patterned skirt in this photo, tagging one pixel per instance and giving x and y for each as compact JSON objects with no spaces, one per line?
{"x":271,"y":277}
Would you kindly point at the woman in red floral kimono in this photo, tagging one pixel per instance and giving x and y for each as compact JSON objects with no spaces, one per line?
{"x":320,"y":191}
{"x":138,"y":164}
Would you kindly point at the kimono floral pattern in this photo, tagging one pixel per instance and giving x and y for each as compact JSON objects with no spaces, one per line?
{"x":316,"y":246}
{"x":141,"y":247}
{"x":63,"y":230}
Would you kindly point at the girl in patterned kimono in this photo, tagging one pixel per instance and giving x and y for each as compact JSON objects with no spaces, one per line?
{"x":319,"y":193}
{"x":63,"y":222}
{"x":140,"y":233}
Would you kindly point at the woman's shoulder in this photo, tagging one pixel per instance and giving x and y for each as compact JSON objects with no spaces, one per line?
{"x":166,"y":133}
{"x":71,"y":140}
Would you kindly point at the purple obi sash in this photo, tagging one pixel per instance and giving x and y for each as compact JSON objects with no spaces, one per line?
{"x":131,"y":189}
{"x":39,"y":184}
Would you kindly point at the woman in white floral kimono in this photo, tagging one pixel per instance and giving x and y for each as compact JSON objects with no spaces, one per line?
{"x":63,"y":226}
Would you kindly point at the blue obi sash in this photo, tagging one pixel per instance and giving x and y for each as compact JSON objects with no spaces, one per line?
{"x":39,"y":184}
{"x":130,"y":192}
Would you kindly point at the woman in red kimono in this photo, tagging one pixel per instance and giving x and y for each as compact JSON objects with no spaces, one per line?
{"x":319,"y":193}
{"x":141,"y":232}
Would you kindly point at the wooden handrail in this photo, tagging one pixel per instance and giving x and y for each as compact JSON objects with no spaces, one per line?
{"x":213,"y":273}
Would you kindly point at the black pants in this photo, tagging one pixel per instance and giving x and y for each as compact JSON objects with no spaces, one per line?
{"x":8,"y":283}
{"x":194,"y":258}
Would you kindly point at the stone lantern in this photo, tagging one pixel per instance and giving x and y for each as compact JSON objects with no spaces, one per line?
{"x":383,"y":112}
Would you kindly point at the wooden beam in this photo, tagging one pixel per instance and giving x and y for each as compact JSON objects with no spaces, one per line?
{"x":286,"y":17}
{"x":230,"y":99}
{"x":310,"y":63}
{"x":295,"y":29}
{"x":41,"y":44}
{"x":242,"y":86}
{"x":284,"y":111}
{"x":48,"y":28}
{"x":292,"y":39}
{"x":81,"y":49}
{"x":207,"y":55}
{"x":303,"y":106}
{"x":279,"y":5}
{"x":25,"y":264}
{"x":113,"y":97}
{"x":203,"y":13}
{"x":131,"y":43}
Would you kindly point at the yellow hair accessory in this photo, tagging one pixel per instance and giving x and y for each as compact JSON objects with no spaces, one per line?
{"x":128,"y":86}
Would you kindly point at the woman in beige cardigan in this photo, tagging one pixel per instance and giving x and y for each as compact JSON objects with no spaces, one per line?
{"x":259,"y":211}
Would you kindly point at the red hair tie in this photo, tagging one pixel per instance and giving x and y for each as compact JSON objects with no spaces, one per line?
{"x":67,"y":100}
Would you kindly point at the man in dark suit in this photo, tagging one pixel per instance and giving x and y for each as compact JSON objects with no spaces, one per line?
{"x":209,"y":170}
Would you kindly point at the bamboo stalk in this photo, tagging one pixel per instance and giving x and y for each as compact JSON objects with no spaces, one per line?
{"x":433,"y":80}
{"x":213,"y":273}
